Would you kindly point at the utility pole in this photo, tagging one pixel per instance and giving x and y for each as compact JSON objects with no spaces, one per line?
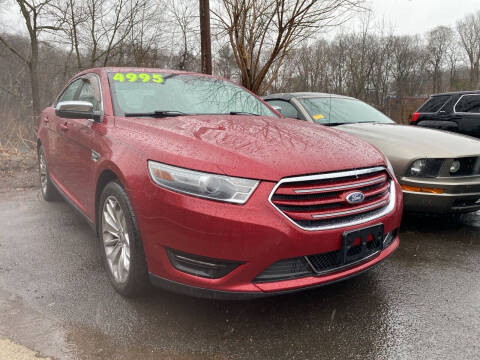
{"x":205,"y":39}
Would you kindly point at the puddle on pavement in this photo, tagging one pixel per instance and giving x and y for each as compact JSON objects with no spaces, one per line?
{"x":46,"y":336}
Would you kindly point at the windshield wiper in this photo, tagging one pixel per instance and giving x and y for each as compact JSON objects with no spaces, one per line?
{"x":242,"y":113}
{"x":335,"y":123}
{"x":157,"y":114}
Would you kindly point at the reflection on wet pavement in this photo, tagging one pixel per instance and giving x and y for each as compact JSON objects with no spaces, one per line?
{"x":421,"y":303}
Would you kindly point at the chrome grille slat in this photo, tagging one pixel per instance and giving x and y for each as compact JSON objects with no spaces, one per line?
{"x":347,"y":212}
{"x":310,"y":210}
{"x":341,"y":187}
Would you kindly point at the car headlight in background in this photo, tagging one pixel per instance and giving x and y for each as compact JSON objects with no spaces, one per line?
{"x":425,"y":167}
{"x":206,"y":185}
{"x":455,"y":166}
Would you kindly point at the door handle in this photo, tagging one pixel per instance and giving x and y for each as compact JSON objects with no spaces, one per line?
{"x":64,"y":127}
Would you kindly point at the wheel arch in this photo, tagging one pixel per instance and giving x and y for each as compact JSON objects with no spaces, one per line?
{"x":107,"y":175}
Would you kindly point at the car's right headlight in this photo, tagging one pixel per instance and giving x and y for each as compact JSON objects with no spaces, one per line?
{"x":207,"y":185}
{"x":425,"y":167}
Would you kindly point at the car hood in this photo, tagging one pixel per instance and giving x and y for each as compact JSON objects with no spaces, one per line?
{"x":414,"y":141}
{"x":247,"y":146}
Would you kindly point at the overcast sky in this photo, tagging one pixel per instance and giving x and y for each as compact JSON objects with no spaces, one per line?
{"x":404,"y":16}
{"x":419,"y":16}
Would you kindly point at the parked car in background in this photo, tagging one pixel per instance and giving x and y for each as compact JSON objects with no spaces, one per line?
{"x":194,"y":183}
{"x":454,"y":111}
{"x":439,"y":171}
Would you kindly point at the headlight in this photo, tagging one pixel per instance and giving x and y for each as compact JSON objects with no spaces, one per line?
{"x":206,"y":185}
{"x":425,"y":167}
{"x":455,"y":166}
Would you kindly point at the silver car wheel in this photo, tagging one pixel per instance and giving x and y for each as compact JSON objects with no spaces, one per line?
{"x":116,"y":241}
{"x":43,"y":173}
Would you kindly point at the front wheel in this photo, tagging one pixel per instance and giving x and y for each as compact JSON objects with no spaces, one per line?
{"x":49,"y":192}
{"x":121,"y":244}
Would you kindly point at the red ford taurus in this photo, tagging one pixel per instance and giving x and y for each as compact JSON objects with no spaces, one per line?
{"x":194,"y":184}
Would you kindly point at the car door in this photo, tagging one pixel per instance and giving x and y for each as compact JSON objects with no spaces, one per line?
{"x":80,"y":144}
{"x":468,"y":109}
{"x":56,"y":156}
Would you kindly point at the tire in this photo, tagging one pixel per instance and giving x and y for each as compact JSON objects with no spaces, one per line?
{"x":48,"y":190}
{"x":120,"y":242}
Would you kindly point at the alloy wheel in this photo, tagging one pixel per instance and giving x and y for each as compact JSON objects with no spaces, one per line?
{"x":43,"y":172}
{"x":116,"y":240}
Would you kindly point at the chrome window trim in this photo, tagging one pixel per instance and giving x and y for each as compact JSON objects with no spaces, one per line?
{"x":462,"y":112}
{"x":388,"y":209}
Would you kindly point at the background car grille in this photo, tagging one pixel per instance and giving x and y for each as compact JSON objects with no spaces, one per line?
{"x":319,"y":201}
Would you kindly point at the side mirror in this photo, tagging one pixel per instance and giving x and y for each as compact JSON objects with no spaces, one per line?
{"x":76,"y":110}
{"x":278,"y":108}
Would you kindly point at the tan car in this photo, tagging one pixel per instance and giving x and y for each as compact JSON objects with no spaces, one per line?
{"x":439,"y":171}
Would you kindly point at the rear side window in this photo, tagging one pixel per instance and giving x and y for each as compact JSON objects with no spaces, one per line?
{"x":468,"y":104}
{"x":434,"y":104}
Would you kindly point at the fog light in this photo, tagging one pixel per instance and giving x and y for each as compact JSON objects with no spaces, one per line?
{"x":389,"y":238}
{"x":455,"y":166}
{"x":199,"y":265}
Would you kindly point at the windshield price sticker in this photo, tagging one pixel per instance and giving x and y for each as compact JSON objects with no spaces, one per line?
{"x":141,"y":77}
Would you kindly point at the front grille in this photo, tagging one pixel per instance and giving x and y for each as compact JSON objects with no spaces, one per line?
{"x":323,"y":263}
{"x":318,"y":202}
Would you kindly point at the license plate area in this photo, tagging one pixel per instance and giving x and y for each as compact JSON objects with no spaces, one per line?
{"x":361,"y":244}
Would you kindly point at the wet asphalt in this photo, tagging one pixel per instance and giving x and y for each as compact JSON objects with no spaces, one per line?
{"x":421,"y":303}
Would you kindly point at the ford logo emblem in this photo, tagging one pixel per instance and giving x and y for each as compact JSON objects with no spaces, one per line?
{"x":355,"y":197}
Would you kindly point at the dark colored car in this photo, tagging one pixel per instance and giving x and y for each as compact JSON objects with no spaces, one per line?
{"x":438,"y":171}
{"x":454,"y":111}
{"x":197,"y":185}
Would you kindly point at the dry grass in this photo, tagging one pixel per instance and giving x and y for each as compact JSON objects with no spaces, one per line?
{"x":17,"y":148}
{"x":16,"y":136}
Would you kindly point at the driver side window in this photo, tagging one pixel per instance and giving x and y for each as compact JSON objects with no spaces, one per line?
{"x":70,"y":91}
{"x":90,"y":92}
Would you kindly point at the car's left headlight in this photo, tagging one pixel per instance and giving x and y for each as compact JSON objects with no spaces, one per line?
{"x":425,"y":167}
{"x":206,"y":185}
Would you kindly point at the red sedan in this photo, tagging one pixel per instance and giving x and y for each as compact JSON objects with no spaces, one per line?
{"x":194,"y":184}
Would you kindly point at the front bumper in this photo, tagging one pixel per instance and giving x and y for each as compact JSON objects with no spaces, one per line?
{"x":458,"y":195}
{"x":255,"y":234}
{"x":270,"y":289}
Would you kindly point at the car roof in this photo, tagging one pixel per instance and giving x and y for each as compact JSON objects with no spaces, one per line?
{"x":458,"y":92}
{"x":288,"y":96}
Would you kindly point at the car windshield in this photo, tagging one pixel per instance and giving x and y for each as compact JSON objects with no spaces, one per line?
{"x":151,"y":94}
{"x":336,"y":111}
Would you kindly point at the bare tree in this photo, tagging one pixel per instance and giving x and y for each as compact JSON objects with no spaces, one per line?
{"x":262,"y":32}
{"x":33,"y":13}
{"x":438,"y":42}
{"x":185,"y":18}
{"x":225,"y":65}
{"x":469,"y":32}
{"x":453,"y":58}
